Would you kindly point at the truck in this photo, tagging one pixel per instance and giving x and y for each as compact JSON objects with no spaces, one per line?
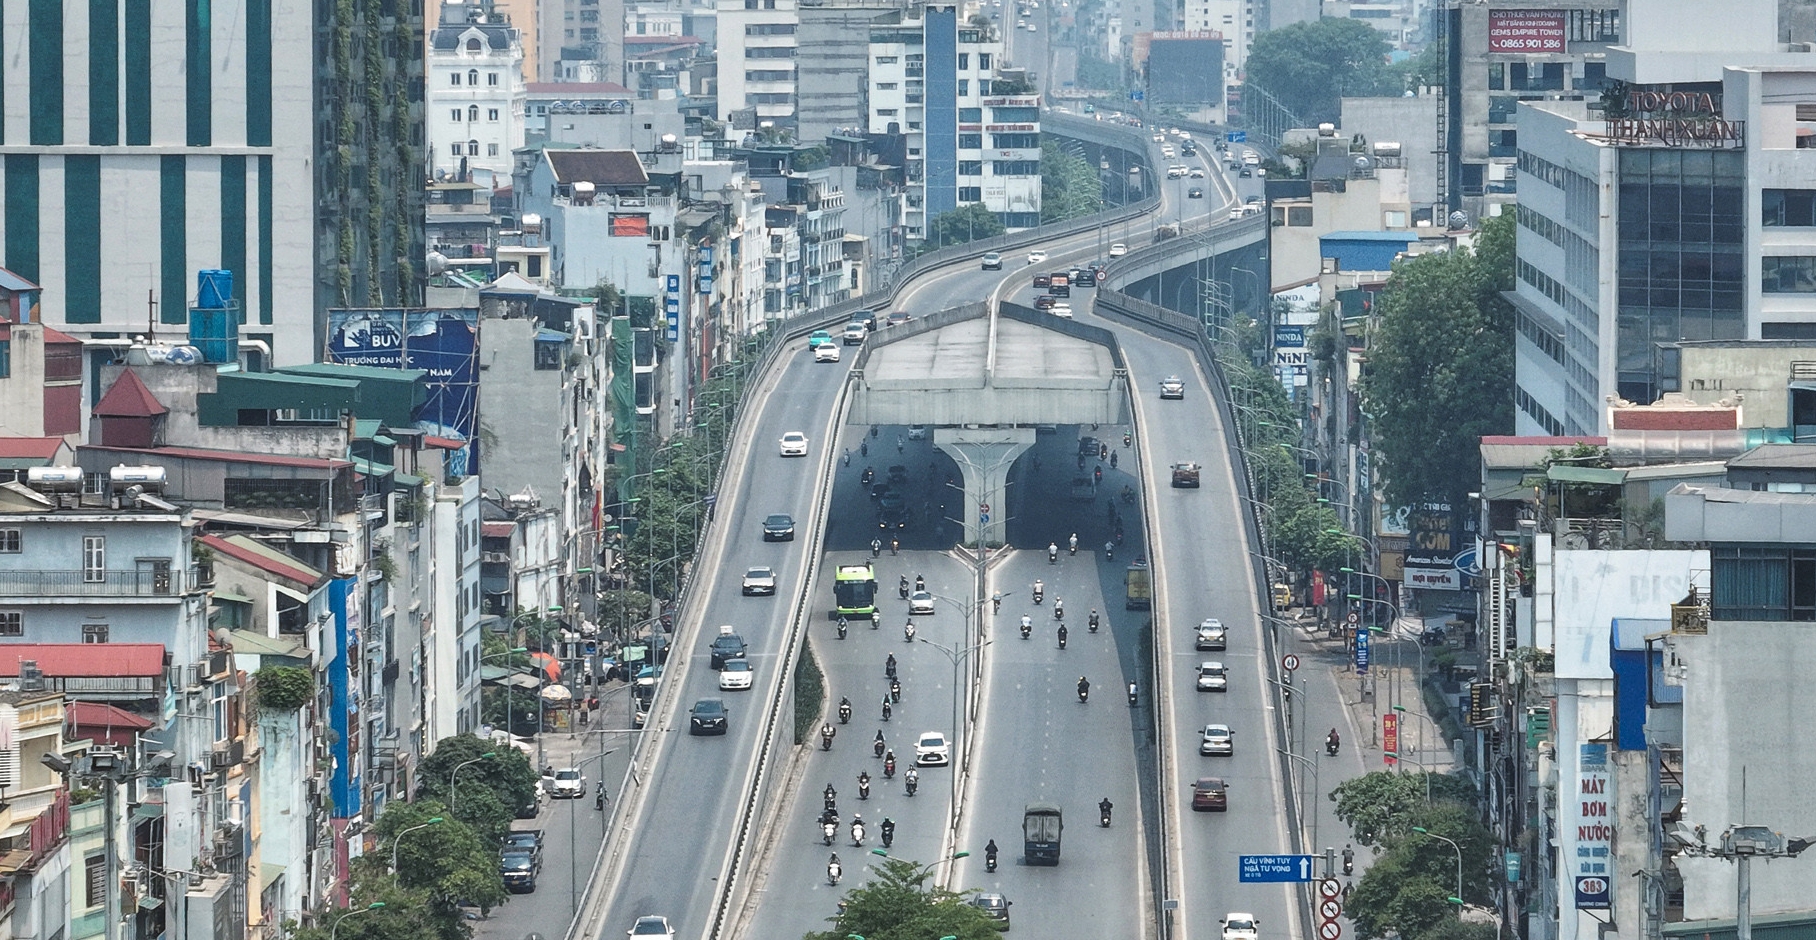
{"x":1138,"y":588}
{"x":1042,"y":824}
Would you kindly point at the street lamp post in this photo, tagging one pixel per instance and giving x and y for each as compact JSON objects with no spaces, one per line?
{"x":510,"y":687}
{"x":452,"y":793}
{"x":1300,"y":759}
{"x":335,"y":930}
{"x":1421,"y":830}
{"x":397,"y":840}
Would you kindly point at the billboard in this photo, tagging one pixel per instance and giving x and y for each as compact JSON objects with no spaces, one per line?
{"x":1591,"y":589}
{"x":443,"y":342}
{"x":1526,"y":31}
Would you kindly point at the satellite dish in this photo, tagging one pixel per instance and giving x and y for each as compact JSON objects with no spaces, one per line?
{"x":1362,"y":163}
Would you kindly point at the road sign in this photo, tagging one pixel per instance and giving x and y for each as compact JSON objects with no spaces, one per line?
{"x":1102,"y":275}
{"x":983,"y":508}
{"x":1236,"y":137}
{"x":1330,"y":930}
{"x":1271,"y":868}
{"x":1329,"y":888}
{"x":983,"y":518}
{"x":1353,"y":618}
{"x":1329,"y":909}
{"x":1289,"y":662}
{"x":1362,"y":652}
{"x":1390,"y":739}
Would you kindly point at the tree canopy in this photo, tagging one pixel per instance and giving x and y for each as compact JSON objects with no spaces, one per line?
{"x":900,"y":903}
{"x":1440,"y":368}
{"x":1069,"y":186}
{"x":1310,"y":66}
{"x":1406,"y":889}
{"x":487,"y":791}
{"x":964,"y":224}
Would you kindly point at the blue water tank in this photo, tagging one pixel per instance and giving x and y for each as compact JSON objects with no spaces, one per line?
{"x":214,"y":289}
{"x":216,"y":333}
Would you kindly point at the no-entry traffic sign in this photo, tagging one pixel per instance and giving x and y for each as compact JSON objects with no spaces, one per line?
{"x":1289,"y":662}
{"x":1330,"y":930}
{"x":1329,"y":888}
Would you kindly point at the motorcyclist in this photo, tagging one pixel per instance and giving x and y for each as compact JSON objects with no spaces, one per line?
{"x":895,"y":689}
{"x":903,"y":587}
{"x":831,"y":797}
{"x":908,"y":631}
{"x":1332,"y":742}
{"x":844,"y":625}
{"x":1040,"y":590}
{"x":913,"y":779}
{"x":1093,"y":620}
{"x":1103,"y":811}
{"x":844,"y":711}
{"x":888,"y":709}
{"x":920,"y":583}
{"x":889,"y":765}
{"x":996,"y":602}
{"x":887,"y":829}
{"x":990,"y":855}
{"x":857,"y":829}
{"x":827,"y":732}
{"x":1062,"y":636}
{"x":1072,"y":544}
{"x":1109,"y":551}
{"x":863,"y":784}
{"x":1027,"y":626}
{"x":1084,"y":688}
{"x":876,"y":746}
{"x":834,"y":869}
{"x":1132,"y":693}
{"x":1349,"y":860}
{"x":876,"y":547}
{"x":889,"y":666}
{"x":1059,"y":609}
{"x":1052,"y":552}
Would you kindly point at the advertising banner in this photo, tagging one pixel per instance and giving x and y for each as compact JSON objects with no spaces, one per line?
{"x":1594,"y":829}
{"x":1433,"y":579}
{"x":1434,"y":542}
{"x":1526,"y":31}
{"x":443,"y":342}
{"x":1390,"y":739}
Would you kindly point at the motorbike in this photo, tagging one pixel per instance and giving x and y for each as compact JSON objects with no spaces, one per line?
{"x":1072,"y":545}
{"x":1040,"y":592}
{"x":889,"y":666}
{"x":1052,"y":554}
{"x":1349,"y":860}
{"x":989,"y":859}
{"x":996,"y":603}
{"x":913,"y":780}
{"x":599,"y":796}
{"x":876,"y":548}
{"x":843,"y":627}
{"x":1027,"y":626}
{"x":830,"y":797}
{"x":844,"y":711}
{"x":887,"y":831}
{"x":833,"y":871}
{"x":867,"y":476}
{"x":1093,"y":621}
{"x":1084,"y":691}
{"x":877,"y":746}
{"x":887,"y":710}
{"x":1127,"y":438}
{"x":1109,"y":551}
{"x":1128,"y":494}
{"x":920,"y":583}
{"x":1132,"y":694}
{"x":895,"y":690}
{"x":863,"y":786}
{"x":829,"y":831}
{"x":908,"y":632}
{"x":1103,"y":814}
{"x":857,"y":832}
{"x":826,"y":733}
{"x":1331,"y":745}
{"x":902,"y":588}
{"x":1059,"y":610}
{"x":889,"y":766}
{"x":1062,"y":636}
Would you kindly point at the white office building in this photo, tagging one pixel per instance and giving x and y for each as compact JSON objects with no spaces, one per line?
{"x":474,"y":98}
{"x":757,"y":59}
{"x":1235,"y":19}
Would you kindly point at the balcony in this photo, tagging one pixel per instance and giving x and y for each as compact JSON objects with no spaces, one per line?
{"x":165,"y":582}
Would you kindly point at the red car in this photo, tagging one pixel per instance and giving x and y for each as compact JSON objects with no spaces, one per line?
{"x":899,"y":317}
{"x":1210,"y":793}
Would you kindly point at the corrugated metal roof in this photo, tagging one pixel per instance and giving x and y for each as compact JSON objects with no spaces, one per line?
{"x":86,"y":660}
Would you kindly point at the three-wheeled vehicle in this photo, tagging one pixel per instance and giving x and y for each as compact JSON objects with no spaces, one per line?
{"x":1041,"y":826}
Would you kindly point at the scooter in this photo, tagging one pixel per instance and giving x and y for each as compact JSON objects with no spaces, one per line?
{"x":1052,"y":554}
{"x":844,"y":711}
{"x":1072,"y":545}
{"x":1132,"y":694}
{"x":887,"y":711}
{"x":889,"y":766}
{"x":887,"y":831}
{"x":1059,"y":610}
{"x":908,"y":632}
{"x":1084,"y":691}
{"x":1093,"y":621}
{"x":599,"y":797}
{"x":857,"y":832}
{"x":889,"y":666}
{"x":834,"y":870}
{"x":863,"y":786}
{"x":877,"y":746}
{"x":990,"y":861}
{"x":829,"y":831}
{"x":1349,"y":860}
{"x":912,"y":781}
{"x":844,"y":627}
{"x":867,"y":476}
{"x":1027,"y":626}
{"x":826,"y":733}
{"x":1109,"y":551}
{"x":895,"y":691}
{"x":902,"y":588}
{"x":1062,"y":636}
{"x":1040,"y":592}
{"x":1331,"y":745}
{"x":1103,"y":814}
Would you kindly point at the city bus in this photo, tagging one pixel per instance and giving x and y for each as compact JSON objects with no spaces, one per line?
{"x":854,"y":587}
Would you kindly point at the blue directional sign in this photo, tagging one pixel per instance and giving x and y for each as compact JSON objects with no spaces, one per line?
{"x":1251,"y":869}
{"x":1237,"y":137}
{"x":1361,"y":650}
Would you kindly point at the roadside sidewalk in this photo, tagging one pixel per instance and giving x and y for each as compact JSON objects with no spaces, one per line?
{"x":1392,"y":680}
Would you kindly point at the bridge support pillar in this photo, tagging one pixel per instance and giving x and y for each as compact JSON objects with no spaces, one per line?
{"x":984,"y":456}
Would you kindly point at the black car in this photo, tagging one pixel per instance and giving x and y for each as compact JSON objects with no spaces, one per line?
{"x":995,"y":907}
{"x":518,"y":870}
{"x":727,"y":645}
{"x":866,"y":317}
{"x":779,"y":527}
{"x":523,"y":841}
{"x":708,"y":716}
{"x":1089,"y":447}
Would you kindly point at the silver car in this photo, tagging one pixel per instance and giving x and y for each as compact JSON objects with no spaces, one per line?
{"x":920,"y":604}
{"x":760,"y":581}
{"x":1217,"y":740}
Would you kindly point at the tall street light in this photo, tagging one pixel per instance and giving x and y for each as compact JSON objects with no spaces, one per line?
{"x":335,"y":930}
{"x":397,"y":840}
{"x":452,"y":793}
{"x":1421,"y":830}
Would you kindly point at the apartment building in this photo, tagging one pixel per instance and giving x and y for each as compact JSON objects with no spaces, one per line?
{"x":474,"y":97}
{"x":757,"y":59}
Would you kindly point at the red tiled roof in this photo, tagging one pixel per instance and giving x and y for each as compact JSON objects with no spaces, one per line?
{"x":102,"y":715}
{"x":497,"y":530}
{"x":295,"y":572}
{"x":58,"y":337}
{"x":445,"y":443}
{"x":128,"y":398}
{"x":42,"y":448}
{"x":85,"y":660}
{"x":1653,"y":418}
{"x":227,"y":456}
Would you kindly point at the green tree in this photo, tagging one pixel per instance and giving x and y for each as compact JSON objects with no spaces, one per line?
{"x":487,"y":791}
{"x":1382,"y":805}
{"x":1440,"y":375}
{"x":448,"y":859}
{"x":1309,"y":67}
{"x":900,"y":902}
{"x":1068,"y":184}
{"x":964,"y":224}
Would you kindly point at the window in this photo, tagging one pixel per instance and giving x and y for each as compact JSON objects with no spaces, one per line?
{"x":1497,"y":76}
{"x":970,"y":141}
{"x":1793,"y":274}
{"x":454,"y":79}
{"x":12,"y":623}
{"x":964,"y":86}
{"x":6,"y":358}
{"x":474,"y":46}
{"x":970,"y":115}
{"x":472,"y":76}
{"x":1788,"y":207}
{"x":971,"y":168}
{"x":456,"y":148}
{"x":1762,"y":582}
{"x":94,"y":558}
{"x":1015,"y":141}
{"x":472,"y":112}
{"x":456,"y":115}
{"x":964,"y":61}
{"x":887,"y":59}
{"x":491,"y":150}
{"x":94,"y":880}
{"x":9,"y":541}
{"x":1015,"y":115}
{"x":983,"y":61}
{"x":769,"y":29}
{"x":492,"y":115}
{"x":548,"y":357}
{"x":94,"y":633}
{"x":491,"y":78}
{"x":473,"y":148}
{"x":970,"y":194}
{"x":891,"y":86}
{"x":885,"y":112}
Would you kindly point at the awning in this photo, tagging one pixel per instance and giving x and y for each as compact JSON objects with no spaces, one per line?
{"x":147,"y":811}
{"x":368,"y":468}
{"x":268,"y":875}
{"x":1564,"y":474}
{"x":221,"y":595}
{"x":149,"y":903}
{"x":407,"y":479}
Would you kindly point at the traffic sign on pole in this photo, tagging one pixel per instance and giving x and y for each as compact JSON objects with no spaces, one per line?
{"x":1362,"y":652}
{"x":1289,"y":662}
{"x":1329,"y":888}
{"x":1273,"y":868}
{"x":1330,"y":930}
{"x":1329,"y":909}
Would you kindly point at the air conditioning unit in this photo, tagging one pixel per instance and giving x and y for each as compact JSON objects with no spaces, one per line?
{"x":220,"y":758}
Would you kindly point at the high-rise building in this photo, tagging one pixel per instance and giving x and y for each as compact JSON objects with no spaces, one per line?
{"x":475,"y":90}
{"x":1234,"y":19}
{"x":757,"y":61}
{"x":1681,"y":212}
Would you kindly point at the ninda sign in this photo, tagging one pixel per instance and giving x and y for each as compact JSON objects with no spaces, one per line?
{"x":1674,"y":119}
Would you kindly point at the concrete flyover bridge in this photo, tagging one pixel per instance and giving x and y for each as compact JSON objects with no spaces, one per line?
{"x":984,"y":383}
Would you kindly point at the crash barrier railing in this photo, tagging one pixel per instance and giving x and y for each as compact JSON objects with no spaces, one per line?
{"x":1116,"y":304}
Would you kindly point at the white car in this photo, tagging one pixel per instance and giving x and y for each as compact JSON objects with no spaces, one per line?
{"x":930,"y":748}
{"x":1118,"y":249}
{"x":1037,"y":257}
{"x":760,"y":580}
{"x":917,"y":432}
{"x":735,"y":675}
{"x":1197,"y":173}
{"x":568,"y":784}
{"x":1216,"y":740}
{"x":794,"y":444}
{"x":826,"y":354}
{"x":1236,"y":213}
{"x":1238,"y":926}
{"x":1061,"y":309}
{"x":1212,"y":677}
{"x":651,"y":926}
{"x":920,"y":604}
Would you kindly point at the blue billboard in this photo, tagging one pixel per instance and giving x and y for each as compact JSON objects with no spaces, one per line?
{"x":442,"y":342}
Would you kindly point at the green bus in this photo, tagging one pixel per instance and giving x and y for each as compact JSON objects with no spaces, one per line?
{"x":854,"y":587}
